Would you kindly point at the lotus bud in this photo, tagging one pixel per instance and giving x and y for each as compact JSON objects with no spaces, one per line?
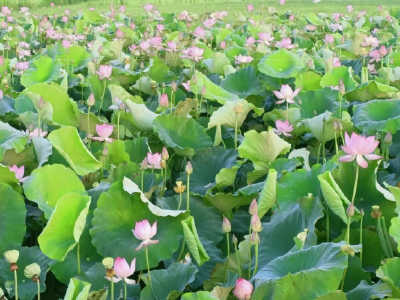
{"x":203,"y":91}
{"x":255,"y":223}
{"x":388,"y":139}
{"x":122,"y":106}
{"x":153,"y":85}
{"x":253,"y":209}
{"x":255,"y":238}
{"x":234,"y":239}
{"x":335,"y":126}
{"x":362,"y":212}
{"x":144,"y":164}
{"x":226,"y":225}
{"x":81,"y":77}
{"x":223,"y":45}
{"x":11,"y":257}
{"x":40,"y":103}
{"x":339,"y":124}
{"x":31,"y":128}
{"x":91,"y":100}
{"x":376,"y":213}
{"x":164,"y":100}
{"x":105,"y":151}
{"x":119,"y":34}
{"x":174,"y":86}
{"x":180,"y":188}
{"x":164,"y":154}
{"x":310,"y":64}
{"x":1,"y":60}
{"x":189,"y":168}
{"x":163,"y":85}
{"x":142,"y":65}
{"x":342,"y":88}
{"x":350,"y":210}
{"x":101,"y":49}
{"x":194,"y":80}
{"x":132,"y":26}
{"x":243,"y":289}
{"x":163,"y":164}
{"x":108,"y":263}
{"x":32,"y":271}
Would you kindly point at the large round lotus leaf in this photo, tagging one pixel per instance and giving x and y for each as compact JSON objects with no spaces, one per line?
{"x":42,"y":69}
{"x":389,"y":273}
{"x":217,"y":63}
{"x":7,"y":176}
{"x":11,"y":138}
{"x":159,"y":71}
{"x":58,"y":180}
{"x":199,"y":296}
{"x":336,"y":295}
{"x":366,"y":291}
{"x":207,"y":164}
{"x":314,"y":103}
{"x":114,"y":218}
{"x":303,"y":275}
{"x":63,"y":111}
{"x":77,"y":290}
{"x":69,"y":144}
{"x":137,"y":149}
{"x":334,"y":76}
{"x":43,"y":149}
{"x":244,"y":82}
{"x":27,"y":289}
{"x":377,"y":115}
{"x":12,"y":218}
{"x":6,"y":105}
{"x":143,"y":117}
{"x":308,"y":81}
{"x":226,"y":202}
{"x":65,"y":226}
{"x":281,"y":64}
{"x":184,"y":135}
{"x":371,"y":90}
{"x":76,"y":57}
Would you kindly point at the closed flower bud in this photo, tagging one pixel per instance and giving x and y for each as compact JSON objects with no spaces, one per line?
{"x":40,"y":103}
{"x":91,"y":100}
{"x":335,"y":126}
{"x":163,"y":85}
{"x":194,"y":80}
{"x":164,"y":100}
{"x":234,"y":239}
{"x":243,"y":289}
{"x":256,"y":223}
{"x":144,"y":164}
{"x":255,"y":238}
{"x":174,"y":86}
{"x":203,"y":91}
{"x":189,"y":168}
{"x":153,"y":85}
{"x":108,"y":263}
{"x":388,"y":139}
{"x":163,"y":164}
{"x":164,"y":154}
{"x":105,"y":151}
{"x":350,"y":210}
{"x":253,"y":209}
{"x":32,"y":270}
{"x":226,"y":225}
{"x":142,"y":65}
{"x":362,"y":212}
{"x":342,"y":88}
{"x":119,"y":34}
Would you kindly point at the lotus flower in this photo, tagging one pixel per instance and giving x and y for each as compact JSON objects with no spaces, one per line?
{"x":250,"y":8}
{"x":186,"y":85}
{"x":119,"y":104}
{"x":143,"y":231}
{"x":350,"y":8}
{"x":283,"y":128}
{"x":19,"y":172}
{"x":104,"y":131}
{"x":329,"y":39}
{"x":286,"y":94}
{"x":357,"y":147}
{"x":66,"y":44}
{"x":154,"y":160}
{"x":285,"y":43}
{"x":209,"y":23}
{"x":123,"y":270}
{"x":193,"y":53}
{"x":37,"y":132}
{"x":282,"y":2}
{"x":370,"y":41}
{"x":243,"y":289}
{"x":164,"y":100}
{"x":242,"y":59}
{"x":148,"y":7}
{"x":265,"y":38}
{"x":104,"y":72}
{"x":171,"y":46}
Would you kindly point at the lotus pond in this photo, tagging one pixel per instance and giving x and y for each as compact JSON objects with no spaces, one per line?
{"x":200,"y":156}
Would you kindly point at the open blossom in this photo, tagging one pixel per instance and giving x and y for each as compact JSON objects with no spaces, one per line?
{"x":250,"y":7}
{"x":286,"y":94}
{"x":350,"y":8}
{"x":209,"y":23}
{"x":357,"y":147}
{"x":171,"y":46}
{"x":123,"y":270}
{"x":243,"y":289}
{"x":145,"y":232}
{"x":370,"y":41}
{"x":104,"y":131}
{"x":104,"y":72}
{"x":148,"y":7}
{"x":375,"y":56}
{"x":282,"y":2}
{"x":19,"y":172}
{"x":243,"y":59}
{"x":265,"y":38}
{"x":22,"y":66}
{"x":336,"y":62}
{"x":283,"y":128}
{"x":250,"y":41}
{"x":285,"y":43}
{"x":329,"y":39}
{"x":37,"y":132}
{"x":193,"y":53}
{"x":154,"y":160}
{"x":186,"y":85}
{"x":199,"y":32}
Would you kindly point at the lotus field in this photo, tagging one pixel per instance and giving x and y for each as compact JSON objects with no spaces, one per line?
{"x":187,"y":156}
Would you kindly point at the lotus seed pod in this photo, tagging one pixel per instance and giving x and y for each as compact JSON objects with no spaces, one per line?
{"x":180,"y":188}
{"x":32,"y":270}
{"x":11,"y":256}
{"x":108,"y":263}
{"x":376,"y":213}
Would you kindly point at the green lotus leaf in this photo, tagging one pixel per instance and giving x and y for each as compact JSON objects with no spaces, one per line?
{"x":29,"y":102}
{"x":336,"y":295}
{"x":7,"y":176}
{"x":63,"y":111}
{"x":193,"y":242}
{"x":199,"y":296}
{"x":142,"y":116}
{"x":377,"y":115}
{"x":58,"y":180}
{"x":137,"y":149}
{"x":207,"y":164}
{"x":170,"y":283}
{"x":160,"y":72}
{"x":184,"y":108}
{"x":314,"y":103}
{"x":27,"y":290}
{"x":388,"y":273}
{"x":268,"y":194}
{"x":226,"y":177}
{"x":68,"y":143}
{"x":75,"y":58}
{"x":213,"y":91}
{"x":314,"y":19}
{"x":6,"y":105}
{"x":281,"y":64}
{"x":226,"y":202}
{"x":99,"y":88}
{"x":227,"y":116}
{"x":115,"y":217}
{"x":394,"y":228}
{"x":217,"y":63}
{"x":305,"y":274}
{"x":43,"y":149}
{"x":244,"y":82}
{"x":280,"y":114}
{"x":143,"y":84}
{"x":334,"y":76}
{"x":120,"y":93}
{"x":77,"y":290}
{"x":184,"y":135}
{"x":366,"y":291}
{"x":308,"y":81}
{"x":43,"y":69}
{"x":116,"y":154}
{"x":11,"y":138}
{"x":371,"y":90}
{"x":12,"y":218}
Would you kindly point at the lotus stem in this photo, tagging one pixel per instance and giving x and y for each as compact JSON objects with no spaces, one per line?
{"x":118,"y":118}
{"x":180,"y":201}
{"x":188,"y":193}
{"x":340,"y":106}
{"x":38,"y":287}
{"x":336,"y":143}
{"x":236,"y":129}
{"x":238,"y":261}
{"x":88,"y":124}
{"x":227,"y":257}
{"x":102,"y":97}
{"x":287,"y":111}
{"x":78,"y":257}
{"x":327,"y":225}
{"x":112,"y":288}
{"x":344,"y":277}
{"x":183,"y":248}
{"x":148,"y":265}
{"x":16,"y":284}
{"x":352,"y":201}
{"x":141,"y":182}
{"x":39,"y":123}
{"x":348,"y":231}
{"x":249,"y":252}
{"x":125,"y":291}
{"x":361,"y":237}
{"x":256,"y":265}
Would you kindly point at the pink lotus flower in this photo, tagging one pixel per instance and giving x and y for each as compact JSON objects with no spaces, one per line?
{"x":286,"y":94}
{"x":37,"y":132}
{"x":164,"y":100}
{"x":123,"y":270}
{"x":171,"y":46}
{"x":283,"y":128}
{"x":119,"y":34}
{"x":350,"y":8}
{"x":122,"y":8}
{"x":209,"y":23}
{"x":104,"y":72}
{"x":1,"y":94}
{"x":104,"y":131}
{"x":52,"y":4}
{"x":329,"y":39}
{"x":242,"y":59}
{"x":375,"y":56}
{"x":145,"y":45}
{"x":285,"y":43}
{"x":311,"y":27}
{"x":154,"y":160}
{"x":222,"y":45}
{"x":143,"y":231}
{"x":199,"y":32}
{"x":19,"y":172}
{"x":383,"y":51}
{"x":22,"y":66}
{"x":282,"y":2}
{"x":118,"y":104}
{"x":193,"y":53}
{"x":243,"y":289}
{"x":265,"y":38}
{"x":250,"y":8}
{"x":66,"y":44}
{"x":250,"y":41}
{"x":370,"y":41}
{"x":357,"y":147}
{"x":187,"y":86}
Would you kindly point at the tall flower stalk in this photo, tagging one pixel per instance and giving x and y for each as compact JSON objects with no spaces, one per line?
{"x":189,"y":171}
{"x":11,"y":257}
